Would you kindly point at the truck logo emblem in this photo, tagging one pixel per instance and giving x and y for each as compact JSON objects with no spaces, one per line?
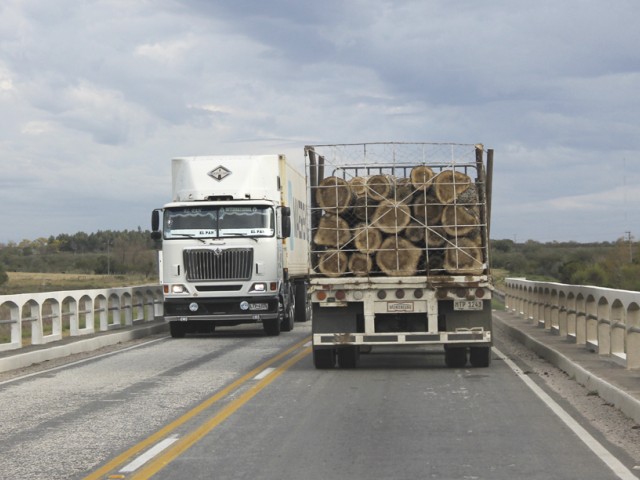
{"x":217,"y":252}
{"x":219,"y":173}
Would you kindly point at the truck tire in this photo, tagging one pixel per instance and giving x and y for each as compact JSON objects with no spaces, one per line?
{"x":324,"y":358}
{"x":455,"y":357}
{"x":480,"y":357}
{"x":303,"y":307}
{"x":272,"y":327}
{"x":178,"y":329}
{"x":288,"y":317}
{"x":348,"y":357}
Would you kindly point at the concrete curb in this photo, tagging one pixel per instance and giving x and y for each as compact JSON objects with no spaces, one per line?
{"x":21,"y":360}
{"x":628,"y":404}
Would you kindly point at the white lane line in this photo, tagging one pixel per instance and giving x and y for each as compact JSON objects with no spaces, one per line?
{"x":149,"y":454}
{"x":264,"y":373}
{"x":84,"y":360}
{"x":596,"y":447}
{"x":308,"y":344}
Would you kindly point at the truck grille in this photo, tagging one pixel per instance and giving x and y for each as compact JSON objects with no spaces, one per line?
{"x":218,"y":264}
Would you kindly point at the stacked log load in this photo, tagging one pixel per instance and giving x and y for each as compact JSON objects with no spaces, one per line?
{"x":423,"y":223}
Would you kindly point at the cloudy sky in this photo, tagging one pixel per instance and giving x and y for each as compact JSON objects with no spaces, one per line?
{"x":96,"y":96}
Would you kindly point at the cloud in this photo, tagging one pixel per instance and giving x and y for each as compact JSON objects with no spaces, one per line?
{"x":96,"y":98}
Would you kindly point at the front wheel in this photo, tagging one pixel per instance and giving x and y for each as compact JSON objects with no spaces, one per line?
{"x":272,"y":327}
{"x":178,"y":329}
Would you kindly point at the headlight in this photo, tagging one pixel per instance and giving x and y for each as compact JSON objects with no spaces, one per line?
{"x":178,"y":289}
{"x":258,"y":287}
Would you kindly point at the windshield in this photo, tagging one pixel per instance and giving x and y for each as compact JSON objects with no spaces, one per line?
{"x":210,"y":221}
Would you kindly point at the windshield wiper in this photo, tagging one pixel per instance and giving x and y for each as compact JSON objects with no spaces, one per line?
{"x":189,"y":235}
{"x":239,"y":235}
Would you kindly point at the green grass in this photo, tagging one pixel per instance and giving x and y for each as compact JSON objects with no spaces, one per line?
{"x":25,"y":282}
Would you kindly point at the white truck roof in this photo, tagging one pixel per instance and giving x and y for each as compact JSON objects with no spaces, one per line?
{"x":243,"y":177}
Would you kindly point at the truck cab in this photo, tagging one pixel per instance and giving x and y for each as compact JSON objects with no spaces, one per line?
{"x":226,"y":245}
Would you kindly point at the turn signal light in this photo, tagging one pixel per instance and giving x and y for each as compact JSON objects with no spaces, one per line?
{"x":321,"y":295}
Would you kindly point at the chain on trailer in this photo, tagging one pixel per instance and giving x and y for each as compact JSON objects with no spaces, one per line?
{"x":398,"y":209}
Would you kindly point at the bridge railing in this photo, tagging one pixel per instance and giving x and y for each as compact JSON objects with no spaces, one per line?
{"x":39,"y":318}
{"x":603,"y":320}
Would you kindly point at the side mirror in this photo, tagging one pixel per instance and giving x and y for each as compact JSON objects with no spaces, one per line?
{"x":155,"y":225}
{"x":286,"y":227}
{"x":286,"y":222}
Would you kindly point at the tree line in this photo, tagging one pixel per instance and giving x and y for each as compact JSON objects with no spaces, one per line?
{"x":604,"y":264}
{"x":102,"y":252}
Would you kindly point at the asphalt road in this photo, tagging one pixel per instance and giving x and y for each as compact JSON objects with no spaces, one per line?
{"x":242,"y":405}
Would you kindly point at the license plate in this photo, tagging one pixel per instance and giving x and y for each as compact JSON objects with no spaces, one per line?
{"x":399,"y":306}
{"x":258,"y":306}
{"x":467,"y":305}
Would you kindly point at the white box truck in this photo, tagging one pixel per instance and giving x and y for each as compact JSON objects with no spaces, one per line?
{"x":234,"y":244}
{"x":399,"y":250}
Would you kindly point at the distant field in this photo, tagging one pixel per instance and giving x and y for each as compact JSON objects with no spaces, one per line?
{"x":23,"y":282}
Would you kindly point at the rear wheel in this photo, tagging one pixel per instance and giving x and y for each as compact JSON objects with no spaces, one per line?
{"x":303,"y":307}
{"x":287,"y":321}
{"x":455,"y":357}
{"x":177,"y":329}
{"x":480,"y":357}
{"x":348,"y":357}
{"x":324,"y":358}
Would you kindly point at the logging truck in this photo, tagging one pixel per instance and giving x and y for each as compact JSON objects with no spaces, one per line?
{"x":233,"y":244}
{"x":399,"y":250}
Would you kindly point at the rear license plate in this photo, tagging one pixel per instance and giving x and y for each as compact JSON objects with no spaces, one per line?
{"x":399,"y":306}
{"x":467,"y":305}
{"x":258,"y":306}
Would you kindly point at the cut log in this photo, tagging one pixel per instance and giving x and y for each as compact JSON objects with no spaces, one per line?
{"x":468,"y":197}
{"x":332,"y":231}
{"x":398,"y":257}
{"x":364,"y":208}
{"x":448,"y":185}
{"x":435,"y":261}
{"x":465,"y":258}
{"x":404,"y":190}
{"x":366,"y":238}
{"x":426,"y":208}
{"x":358,"y":186}
{"x":460,"y":220}
{"x":421,"y":177}
{"x":391,"y":217}
{"x":333,"y":263}
{"x":415,"y":232}
{"x":333,"y":195}
{"x":380,"y":187}
{"x":360,"y":264}
{"x":436,"y":237}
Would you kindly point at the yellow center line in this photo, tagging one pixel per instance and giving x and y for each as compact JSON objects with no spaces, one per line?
{"x":184,"y":443}
{"x":169,"y":428}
